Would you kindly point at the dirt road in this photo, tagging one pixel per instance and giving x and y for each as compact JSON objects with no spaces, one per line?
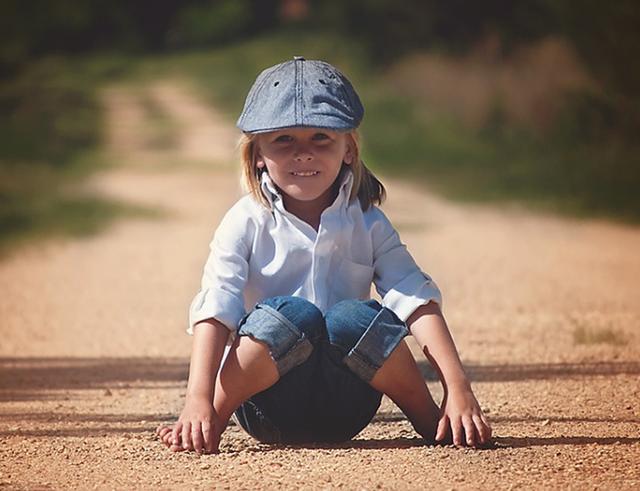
{"x":545,"y":312}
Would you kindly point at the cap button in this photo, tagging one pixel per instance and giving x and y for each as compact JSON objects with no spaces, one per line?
{"x":299,"y":58}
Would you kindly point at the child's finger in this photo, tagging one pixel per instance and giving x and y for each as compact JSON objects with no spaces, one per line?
{"x":484,"y":430}
{"x":207,"y":435}
{"x":443,"y":427}
{"x":457,"y":431}
{"x":186,"y":436}
{"x":164,"y":434}
{"x":196,"y":437}
{"x":166,"y":439}
{"x":486,"y":423}
{"x":469,"y":430}
{"x":176,"y":433}
{"x":176,"y":448}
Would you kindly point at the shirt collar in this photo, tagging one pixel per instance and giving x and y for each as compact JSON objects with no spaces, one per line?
{"x":271,"y":192}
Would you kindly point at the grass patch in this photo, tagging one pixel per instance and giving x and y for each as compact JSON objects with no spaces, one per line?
{"x":62,"y":216}
{"x":51,"y":132}
{"x":37,"y":202}
{"x":598,"y":335}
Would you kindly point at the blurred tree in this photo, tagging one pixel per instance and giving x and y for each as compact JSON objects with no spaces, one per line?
{"x":390,"y":28}
{"x":607,"y":35}
{"x":210,"y":22}
{"x":37,"y":27}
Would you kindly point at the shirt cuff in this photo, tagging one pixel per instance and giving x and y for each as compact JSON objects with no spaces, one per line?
{"x":413,"y":291}
{"x":218,"y":304}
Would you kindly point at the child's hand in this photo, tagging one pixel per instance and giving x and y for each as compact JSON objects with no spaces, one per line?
{"x":198,"y":428}
{"x":462,"y":419}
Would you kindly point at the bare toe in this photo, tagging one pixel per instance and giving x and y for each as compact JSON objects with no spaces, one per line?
{"x":176,"y":448}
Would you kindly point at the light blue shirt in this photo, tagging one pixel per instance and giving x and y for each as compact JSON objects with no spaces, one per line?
{"x":257,"y":253}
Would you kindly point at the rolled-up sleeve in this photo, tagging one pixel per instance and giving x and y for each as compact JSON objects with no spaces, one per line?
{"x":400,"y":282}
{"x":221,"y":295}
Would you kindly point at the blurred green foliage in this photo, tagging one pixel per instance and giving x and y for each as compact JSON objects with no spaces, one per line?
{"x":607,"y":36}
{"x":50,"y":136}
{"x":40,"y":27}
{"x":40,"y":106}
{"x":391,"y":28}
{"x":201,"y":24}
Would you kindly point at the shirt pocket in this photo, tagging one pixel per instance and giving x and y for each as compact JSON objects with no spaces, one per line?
{"x":352,"y":281}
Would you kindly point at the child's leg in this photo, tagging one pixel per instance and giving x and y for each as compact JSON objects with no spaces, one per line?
{"x":276,"y":337}
{"x":401,"y":380}
{"x":371,"y":337}
{"x":247,"y":370}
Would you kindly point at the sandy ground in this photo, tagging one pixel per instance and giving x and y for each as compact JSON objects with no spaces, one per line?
{"x":545,"y":312}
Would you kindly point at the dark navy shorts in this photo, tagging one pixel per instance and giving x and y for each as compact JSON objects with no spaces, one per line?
{"x":325,"y":365}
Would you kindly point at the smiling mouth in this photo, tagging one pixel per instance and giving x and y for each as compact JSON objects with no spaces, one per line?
{"x":305,"y":173}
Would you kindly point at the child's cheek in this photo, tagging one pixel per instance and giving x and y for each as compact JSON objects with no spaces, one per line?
{"x":278,"y":154}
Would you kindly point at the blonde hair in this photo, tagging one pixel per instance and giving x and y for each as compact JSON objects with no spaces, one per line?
{"x":366,"y":186}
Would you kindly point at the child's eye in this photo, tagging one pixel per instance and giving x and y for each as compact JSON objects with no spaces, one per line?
{"x":320,"y":136}
{"x":283,"y":139}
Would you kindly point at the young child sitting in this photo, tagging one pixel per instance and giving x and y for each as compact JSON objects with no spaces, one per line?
{"x":285,"y":336}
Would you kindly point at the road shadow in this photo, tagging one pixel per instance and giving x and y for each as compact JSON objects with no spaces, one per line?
{"x":46,"y":378}
{"x":536,"y":371}
{"x":561,"y":419}
{"x":361,"y":444}
{"x":78,"y":432}
{"x":497,"y":443}
{"x":537,"y":441}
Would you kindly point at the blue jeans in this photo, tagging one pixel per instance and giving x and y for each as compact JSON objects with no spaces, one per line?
{"x":325,"y":366}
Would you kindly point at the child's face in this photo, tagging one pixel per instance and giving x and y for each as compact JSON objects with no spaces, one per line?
{"x":304,"y":162}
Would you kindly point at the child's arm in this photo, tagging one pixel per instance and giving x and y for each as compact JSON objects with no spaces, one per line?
{"x":198,"y":427}
{"x":460,"y":409}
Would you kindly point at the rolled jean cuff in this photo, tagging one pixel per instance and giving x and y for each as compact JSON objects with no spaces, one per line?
{"x":287,"y":345}
{"x":376,"y":344}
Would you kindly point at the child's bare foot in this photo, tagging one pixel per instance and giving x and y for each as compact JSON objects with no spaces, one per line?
{"x":165,"y":434}
{"x":171,"y":436}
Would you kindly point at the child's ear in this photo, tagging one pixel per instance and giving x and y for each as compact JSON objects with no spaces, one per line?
{"x":259,"y":160}
{"x":348,"y":156}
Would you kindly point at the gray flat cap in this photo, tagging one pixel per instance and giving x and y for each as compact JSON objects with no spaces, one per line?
{"x":301,"y":93}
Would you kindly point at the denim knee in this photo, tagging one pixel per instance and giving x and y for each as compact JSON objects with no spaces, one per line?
{"x":290,"y":326}
{"x":365,"y":332}
{"x":348,"y":320}
{"x":303,"y":314}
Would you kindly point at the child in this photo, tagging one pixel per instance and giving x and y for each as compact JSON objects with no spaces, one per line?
{"x":286,"y":289}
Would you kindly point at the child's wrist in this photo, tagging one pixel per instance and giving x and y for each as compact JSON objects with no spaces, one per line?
{"x":198,"y":396}
{"x":458,"y":384}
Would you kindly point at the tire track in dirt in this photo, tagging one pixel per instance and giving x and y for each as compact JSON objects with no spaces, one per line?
{"x":94,"y":353}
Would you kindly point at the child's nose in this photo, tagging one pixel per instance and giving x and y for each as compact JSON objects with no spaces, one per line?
{"x":303,"y":153}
